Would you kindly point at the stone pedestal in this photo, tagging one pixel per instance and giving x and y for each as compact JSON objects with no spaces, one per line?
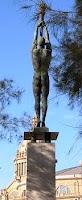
{"x":40,"y":166}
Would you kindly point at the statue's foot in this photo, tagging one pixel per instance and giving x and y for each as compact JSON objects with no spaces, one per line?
{"x":38,"y":124}
{"x":43,"y":124}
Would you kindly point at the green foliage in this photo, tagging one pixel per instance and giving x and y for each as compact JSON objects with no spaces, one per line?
{"x":53,"y":18}
{"x":10,"y":126}
{"x":67,"y":73}
{"x":8,"y":93}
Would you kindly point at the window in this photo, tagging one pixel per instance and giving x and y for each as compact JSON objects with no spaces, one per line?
{"x":77,"y":198}
{"x":6,"y":196}
{"x":24,"y":193}
{"x":22,"y":154}
{"x":17,"y":170}
{"x":22,"y":168}
{"x":25,"y":168}
{"x":63,"y":190}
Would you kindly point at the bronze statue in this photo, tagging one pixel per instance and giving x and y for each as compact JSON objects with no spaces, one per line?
{"x":41,"y":57}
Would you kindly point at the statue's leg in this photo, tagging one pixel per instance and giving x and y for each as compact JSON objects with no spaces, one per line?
{"x":45,"y":92}
{"x":37,"y":94}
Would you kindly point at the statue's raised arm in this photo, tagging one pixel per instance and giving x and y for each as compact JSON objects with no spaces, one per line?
{"x":35,"y":38}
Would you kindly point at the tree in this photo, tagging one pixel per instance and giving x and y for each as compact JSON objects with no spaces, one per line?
{"x":54,"y":19}
{"x":10,"y":126}
{"x":68,"y":72}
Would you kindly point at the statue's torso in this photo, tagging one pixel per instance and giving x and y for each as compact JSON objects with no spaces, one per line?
{"x":41,"y":59}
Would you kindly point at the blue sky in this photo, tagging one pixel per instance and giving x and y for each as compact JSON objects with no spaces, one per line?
{"x":16,"y":37}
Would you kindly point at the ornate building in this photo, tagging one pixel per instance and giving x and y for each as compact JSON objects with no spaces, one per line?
{"x":69,"y":184}
{"x":17,"y":189}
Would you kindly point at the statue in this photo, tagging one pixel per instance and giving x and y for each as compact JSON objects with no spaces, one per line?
{"x":41,"y":57}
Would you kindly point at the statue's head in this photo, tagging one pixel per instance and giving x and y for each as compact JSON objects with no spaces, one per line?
{"x":41,"y":42}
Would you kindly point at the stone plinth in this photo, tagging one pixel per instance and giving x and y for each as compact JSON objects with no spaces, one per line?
{"x":40,"y":164}
{"x":41,"y":171}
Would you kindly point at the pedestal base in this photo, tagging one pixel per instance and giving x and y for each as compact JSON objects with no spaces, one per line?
{"x":42,"y":134}
{"x":40,"y":171}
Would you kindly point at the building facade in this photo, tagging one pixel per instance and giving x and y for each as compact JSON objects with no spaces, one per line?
{"x":69,"y":184}
{"x":17,"y":189}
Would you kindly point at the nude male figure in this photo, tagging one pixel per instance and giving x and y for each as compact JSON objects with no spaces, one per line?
{"x":41,"y":57}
